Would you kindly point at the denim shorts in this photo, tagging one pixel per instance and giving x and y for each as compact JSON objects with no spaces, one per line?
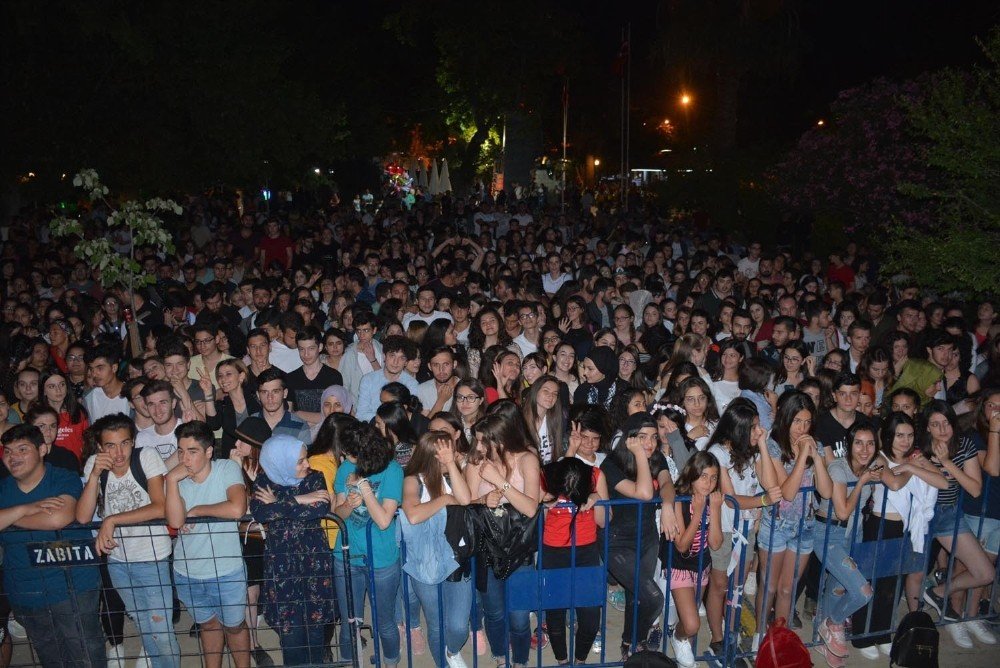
{"x":223,"y":598}
{"x":779,"y":534}
{"x":943,"y":523}
{"x":989,"y":537}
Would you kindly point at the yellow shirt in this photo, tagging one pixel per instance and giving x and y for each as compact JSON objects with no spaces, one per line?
{"x":327,"y":465}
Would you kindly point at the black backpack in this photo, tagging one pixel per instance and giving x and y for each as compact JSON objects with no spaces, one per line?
{"x":135,"y":466}
{"x":649,"y":658}
{"x":915,"y":644}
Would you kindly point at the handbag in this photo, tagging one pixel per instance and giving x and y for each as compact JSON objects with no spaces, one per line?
{"x":506,"y":539}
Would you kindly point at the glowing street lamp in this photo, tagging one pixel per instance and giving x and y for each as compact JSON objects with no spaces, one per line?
{"x":685,"y":99}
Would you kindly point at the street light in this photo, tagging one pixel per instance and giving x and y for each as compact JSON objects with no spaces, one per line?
{"x":685,"y":99}
{"x":597,"y":162}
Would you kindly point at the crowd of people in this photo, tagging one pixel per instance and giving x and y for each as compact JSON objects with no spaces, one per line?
{"x":468,"y":371}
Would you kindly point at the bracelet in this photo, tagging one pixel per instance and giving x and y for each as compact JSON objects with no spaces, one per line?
{"x":995,"y":432}
{"x":763,"y":500}
{"x":371,"y":361}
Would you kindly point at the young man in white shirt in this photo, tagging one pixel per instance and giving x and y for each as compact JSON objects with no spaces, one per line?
{"x":161,"y":404}
{"x":436,"y":393}
{"x":555,"y":278}
{"x":426,"y":301}
{"x":106,"y":398}
{"x":529,"y":340}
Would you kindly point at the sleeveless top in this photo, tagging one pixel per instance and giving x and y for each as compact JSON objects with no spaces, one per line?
{"x":516,"y":479}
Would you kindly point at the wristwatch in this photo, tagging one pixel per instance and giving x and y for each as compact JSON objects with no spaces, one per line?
{"x":505,"y":487}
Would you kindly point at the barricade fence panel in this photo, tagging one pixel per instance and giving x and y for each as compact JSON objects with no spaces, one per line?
{"x":592,"y":598}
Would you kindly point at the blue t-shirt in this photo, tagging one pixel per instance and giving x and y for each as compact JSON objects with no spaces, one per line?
{"x":384,"y":547}
{"x":36,"y":563}
{"x":210,"y":550}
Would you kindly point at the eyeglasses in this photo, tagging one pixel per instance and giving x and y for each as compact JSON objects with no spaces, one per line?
{"x":466,"y":398}
{"x":622,"y":318}
{"x":202,"y":342}
{"x":695,"y":399}
{"x":528,"y":316}
{"x":551,"y":339}
{"x":626,"y":362}
{"x":788,"y":358}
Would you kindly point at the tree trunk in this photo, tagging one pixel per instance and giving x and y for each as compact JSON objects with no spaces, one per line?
{"x":467,"y":172}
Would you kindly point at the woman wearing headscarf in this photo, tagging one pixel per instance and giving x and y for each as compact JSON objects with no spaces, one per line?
{"x":335,"y":399}
{"x":298,"y":569}
{"x":600,"y":375}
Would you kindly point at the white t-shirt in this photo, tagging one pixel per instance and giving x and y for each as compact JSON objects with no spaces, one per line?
{"x":724,"y":391}
{"x":748,"y":267}
{"x":525,"y":346}
{"x":164,"y":444}
{"x":98,"y":404}
{"x":544,"y":443}
{"x":552,"y":285}
{"x":747,"y":485}
{"x":285,"y":358}
{"x":141,"y":543}
{"x":428,"y":395}
{"x":410,"y":317}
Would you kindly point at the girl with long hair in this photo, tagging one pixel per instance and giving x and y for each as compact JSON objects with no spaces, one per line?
{"x":624,"y":325}
{"x":393,"y":422}
{"x":726,"y":381}
{"x":908,"y":475}
{"x":469,"y":404}
{"x":485,"y":332}
{"x":544,"y":413}
{"x":629,"y":369}
{"x":369,"y":486}
{"x":564,"y":366}
{"x":235,"y":405}
{"x":736,"y":443}
{"x":846,"y":589}
{"x":501,"y":377}
{"x":502,"y":468}
{"x":876,"y":370}
{"x":699,"y":528}
{"x":72,"y":416}
{"x":701,"y":413}
{"x":785,"y":539}
{"x":574,"y":327}
{"x":636,"y":469}
{"x":796,"y":365}
{"x":433,"y":481}
{"x":955,"y":456}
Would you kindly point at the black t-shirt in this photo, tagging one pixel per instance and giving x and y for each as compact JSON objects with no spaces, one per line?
{"x":623,"y":518}
{"x":831,"y":434}
{"x":63,"y":458}
{"x":306,"y":394}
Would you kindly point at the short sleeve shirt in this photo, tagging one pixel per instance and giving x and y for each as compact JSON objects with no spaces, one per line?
{"x":792,"y":510}
{"x":966,"y":450}
{"x":39,"y":565}
{"x":387,"y":484}
{"x":840,"y":472}
{"x":121,"y":495}
{"x":210,"y":550}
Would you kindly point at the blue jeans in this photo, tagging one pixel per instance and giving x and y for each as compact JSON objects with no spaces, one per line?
{"x":383,"y":604}
{"x":497,"y":619}
{"x":412,"y":604}
{"x":778,"y":535}
{"x":304,"y":644}
{"x":144,"y":587}
{"x":454,"y":603}
{"x":67,"y":633}
{"x":223,"y":598}
{"x":846,"y":589}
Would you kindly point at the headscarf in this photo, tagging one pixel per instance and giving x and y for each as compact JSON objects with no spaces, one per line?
{"x":341,"y":393}
{"x":279,"y":458}
{"x":606,"y":361}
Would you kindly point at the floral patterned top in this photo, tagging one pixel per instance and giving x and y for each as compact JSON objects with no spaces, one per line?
{"x":298,"y":564}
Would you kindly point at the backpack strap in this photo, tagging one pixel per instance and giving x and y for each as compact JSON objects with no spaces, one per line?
{"x":135,"y":467}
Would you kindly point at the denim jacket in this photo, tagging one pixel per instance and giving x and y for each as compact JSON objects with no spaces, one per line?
{"x":429,"y":556}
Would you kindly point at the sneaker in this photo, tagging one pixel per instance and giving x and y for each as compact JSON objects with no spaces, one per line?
{"x":417,"y":643}
{"x":701,"y":610}
{"x":885,"y":648}
{"x":832,"y":659}
{"x":143,"y":661}
{"x":750,"y":586}
{"x":615,"y":598}
{"x":17,"y":631}
{"x":979,"y":629}
{"x":870,"y":652}
{"x":540,"y":637}
{"x":833,"y":638}
{"x":809,"y":608}
{"x":116,"y":656}
{"x":261,"y":658}
{"x":682,"y":652}
{"x":598,"y":644}
{"x":716,"y":654}
{"x":655,"y":638}
{"x":935,"y":601}
{"x":960,"y":635}
{"x":454,"y":660}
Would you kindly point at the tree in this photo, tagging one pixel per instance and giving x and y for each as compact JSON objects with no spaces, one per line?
{"x":850,"y":167}
{"x":139,"y":220}
{"x":959,"y":119}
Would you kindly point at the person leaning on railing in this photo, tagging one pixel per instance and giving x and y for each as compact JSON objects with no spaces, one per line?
{"x":138,"y":556}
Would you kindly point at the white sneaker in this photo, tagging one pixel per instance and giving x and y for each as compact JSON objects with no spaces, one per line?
{"x":701,"y":610}
{"x":885,"y":648}
{"x":116,"y":656}
{"x":981,"y":631}
{"x":750,"y":586}
{"x":454,"y":660}
{"x":682,"y":652}
{"x":960,"y":635}
{"x":870,"y":653}
{"x":143,"y":661}
{"x":16,"y":630}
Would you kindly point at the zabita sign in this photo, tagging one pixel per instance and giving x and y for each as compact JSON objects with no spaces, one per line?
{"x":62,"y":553}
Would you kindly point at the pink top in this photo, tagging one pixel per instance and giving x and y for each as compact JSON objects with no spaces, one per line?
{"x":516,"y":479}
